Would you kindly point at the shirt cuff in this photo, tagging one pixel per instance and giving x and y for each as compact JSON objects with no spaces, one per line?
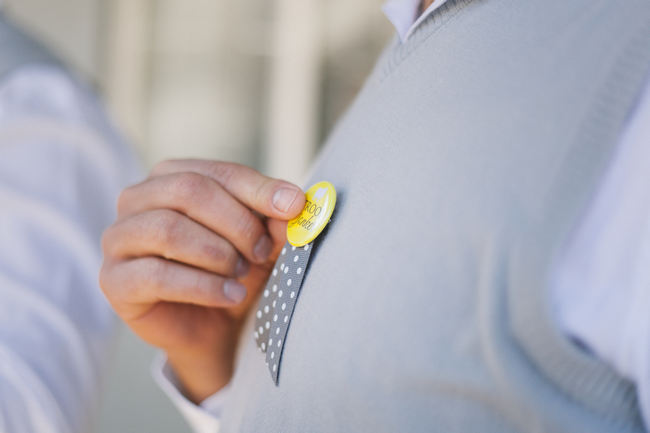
{"x":203,"y":418}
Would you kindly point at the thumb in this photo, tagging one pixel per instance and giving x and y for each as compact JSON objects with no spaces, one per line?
{"x":271,"y":197}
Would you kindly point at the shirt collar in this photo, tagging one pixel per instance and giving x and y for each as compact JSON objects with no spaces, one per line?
{"x":403,"y":15}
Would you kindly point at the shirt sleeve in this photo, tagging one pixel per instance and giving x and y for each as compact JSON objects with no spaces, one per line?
{"x":601,"y":287}
{"x":203,"y":418}
{"x":61,"y":169}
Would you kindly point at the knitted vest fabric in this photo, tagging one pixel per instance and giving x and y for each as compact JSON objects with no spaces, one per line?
{"x":462,"y":167}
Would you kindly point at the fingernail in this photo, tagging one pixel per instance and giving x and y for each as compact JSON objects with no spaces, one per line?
{"x":242,"y":267}
{"x":284,"y":198}
{"x":234,"y":291}
{"x":262,"y":248}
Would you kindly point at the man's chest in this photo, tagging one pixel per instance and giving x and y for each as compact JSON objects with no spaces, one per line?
{"x":442,"y":165}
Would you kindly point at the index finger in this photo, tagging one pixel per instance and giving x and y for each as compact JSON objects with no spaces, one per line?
{"x":271,"y":197}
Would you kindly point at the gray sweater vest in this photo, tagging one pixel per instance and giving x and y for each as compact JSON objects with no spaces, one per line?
{"x":462,"y":167}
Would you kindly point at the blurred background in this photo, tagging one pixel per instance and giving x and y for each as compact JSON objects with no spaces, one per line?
{"x":257,"y":82}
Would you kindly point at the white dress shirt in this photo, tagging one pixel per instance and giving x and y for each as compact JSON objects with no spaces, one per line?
{"x":601,"y":286}
{"x":61,"y":169}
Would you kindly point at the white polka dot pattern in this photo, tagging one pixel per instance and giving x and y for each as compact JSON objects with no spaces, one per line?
{"x":286,"y":277}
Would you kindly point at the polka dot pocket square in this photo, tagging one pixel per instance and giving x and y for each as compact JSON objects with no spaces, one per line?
{"x":276,"y":306}
{"x":278,"y":301}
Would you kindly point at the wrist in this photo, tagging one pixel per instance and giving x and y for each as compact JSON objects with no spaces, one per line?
{"x":200,"y":376}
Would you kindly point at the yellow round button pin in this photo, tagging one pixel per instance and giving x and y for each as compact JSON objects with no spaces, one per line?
{"x":320,"y":200}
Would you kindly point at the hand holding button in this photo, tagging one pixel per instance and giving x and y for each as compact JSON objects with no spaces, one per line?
{"x":191,"y":248}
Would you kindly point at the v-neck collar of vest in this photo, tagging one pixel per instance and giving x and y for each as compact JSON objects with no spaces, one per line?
{"x":528,"y":311}
{"x":399,"y":51}
{"x":529,"y":308}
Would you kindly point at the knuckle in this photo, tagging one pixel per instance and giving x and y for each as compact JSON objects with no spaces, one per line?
{"x":113,"y":238}
{"x":221,"y":252}
{"x":152,"y":272}
{"x":114,"y":292}
{"x":202,"y":281}
{"x":262,"y":192}
{"x":188,"y":187}
{"x":205,"y":287}
{"x":169,"y":227}
{"x":248,"y":227}
{"x":106,"y":240}
{"x":223,"y":172}
{"x":123,"y":200}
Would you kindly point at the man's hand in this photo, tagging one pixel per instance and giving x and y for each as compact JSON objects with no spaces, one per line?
{"x":187,"y":257}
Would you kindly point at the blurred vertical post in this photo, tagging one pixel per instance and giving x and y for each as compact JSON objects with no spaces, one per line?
{"x":293,"y":100}
{"x":126,"y":78}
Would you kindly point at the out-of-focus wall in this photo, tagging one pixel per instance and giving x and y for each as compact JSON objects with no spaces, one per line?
{"x":73,"y":27}
{"x":258,"y":82}
{"x":250,"y":81}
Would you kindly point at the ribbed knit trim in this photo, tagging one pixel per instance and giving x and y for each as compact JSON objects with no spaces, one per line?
{"x":581,"y":376}
{"x":434,"y":22}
